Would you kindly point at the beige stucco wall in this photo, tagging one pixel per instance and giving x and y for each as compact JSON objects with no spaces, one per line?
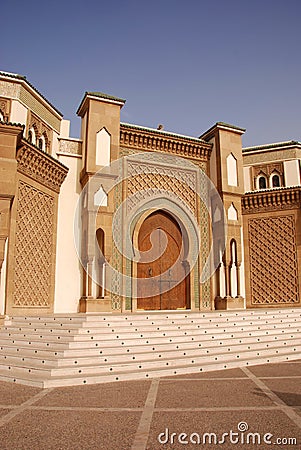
{"x":292,"y":173}
{"x":68,"y":270}
{"x":247,"y":179}
{"x":18,"y":113}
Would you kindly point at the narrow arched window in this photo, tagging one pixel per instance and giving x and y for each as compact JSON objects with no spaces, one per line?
{"x":32,"y":136}
{"x":275,"y":181}
{"x":262,"y":183}
{"x":42,"y":143}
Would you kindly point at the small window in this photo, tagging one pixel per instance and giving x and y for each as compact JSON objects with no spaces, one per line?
{"x":262,"y":182}
{"x":1,"y":116}
{"x":275,"y":181}
{"x":32,"y":136}
{"x":42,"y":143}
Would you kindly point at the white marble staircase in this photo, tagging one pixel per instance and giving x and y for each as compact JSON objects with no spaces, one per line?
{"x":77,"y":349}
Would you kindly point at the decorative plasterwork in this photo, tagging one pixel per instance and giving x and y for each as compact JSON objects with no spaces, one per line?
{"x":41,"y":129}
{"x":34,"y":247}
{"x":275,"y":155}
{"x":146,"y":178}
{"x":273,"y":200}
{"x":40,"y":167}
{"x":273,"y":260}
{"x":152,"y":141}
{"x":5,"y":108}
{"x":268,"y":169}
{"x":71,"y":147}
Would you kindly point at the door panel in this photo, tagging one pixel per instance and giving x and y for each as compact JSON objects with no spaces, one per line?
{"x":161,"y":264}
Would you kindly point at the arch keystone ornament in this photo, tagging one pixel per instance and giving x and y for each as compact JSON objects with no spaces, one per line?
{"x":155,"y":260}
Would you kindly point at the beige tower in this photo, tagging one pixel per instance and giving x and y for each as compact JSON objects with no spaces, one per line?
{"x":100,"y":135}
{"x":226,"y":172}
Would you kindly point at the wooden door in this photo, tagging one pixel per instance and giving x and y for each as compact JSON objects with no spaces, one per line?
{"x":161,"y":265}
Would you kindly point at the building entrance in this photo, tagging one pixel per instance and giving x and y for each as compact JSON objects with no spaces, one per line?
{"x":163,"y":275}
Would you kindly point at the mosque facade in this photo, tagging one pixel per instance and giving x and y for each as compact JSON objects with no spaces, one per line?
{"x":129,"y":218}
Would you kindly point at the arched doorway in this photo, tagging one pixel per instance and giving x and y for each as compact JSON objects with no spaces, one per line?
{"x":162,"y":272}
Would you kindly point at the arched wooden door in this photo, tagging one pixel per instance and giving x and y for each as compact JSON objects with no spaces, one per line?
{"x":161,"y":265}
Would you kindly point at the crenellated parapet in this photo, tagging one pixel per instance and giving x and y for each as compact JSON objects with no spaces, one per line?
{"x":149,"y":139}
{"x":271,"y":200}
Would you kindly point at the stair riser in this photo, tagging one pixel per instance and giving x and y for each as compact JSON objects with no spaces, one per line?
{"x":160,"y":347}
{"x":15,"y":360}
{"x":116,"y":321}
{"x":111,"y":341}
{"x":109,"y":334}
{"x":158,"y":365}
{"x":100,"y":328}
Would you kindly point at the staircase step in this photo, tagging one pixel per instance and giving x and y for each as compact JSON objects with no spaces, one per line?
{"x":63,"y":350}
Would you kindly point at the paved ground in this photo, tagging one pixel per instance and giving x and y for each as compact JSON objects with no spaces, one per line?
{"x":137,"y":415}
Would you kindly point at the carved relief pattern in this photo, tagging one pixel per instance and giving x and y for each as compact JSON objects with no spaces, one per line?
{"x":41,"y":167}
{"x":164,"y":142}
{"x":157,"y":177}
{"x":40,"y":129}
{"x":5,"y":108}
{"x":268,"y":169}
{"x":273,"y":200}
{"x":33,"y":248}
{"x":289,"y":153}
{"x":9,"y":89}
{"x":205,"y":245}
{"x":273,"y":260}
{"x":71,"y":147}
{"x":116,"y":256}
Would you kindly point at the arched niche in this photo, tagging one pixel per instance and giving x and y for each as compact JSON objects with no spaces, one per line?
{"x":103,"y":148}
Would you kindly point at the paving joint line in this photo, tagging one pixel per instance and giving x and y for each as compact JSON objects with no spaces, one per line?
{"x":142,"y":433}
{"x":21,"y":408}
{"x":286,"y":409}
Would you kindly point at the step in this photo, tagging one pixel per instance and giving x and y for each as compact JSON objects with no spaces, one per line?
{"x":79,"y":379}
{"x":113,"y":333}
{"x":20,"y":359}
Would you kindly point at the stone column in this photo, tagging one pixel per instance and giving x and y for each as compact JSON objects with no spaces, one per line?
{"x":238,"y":279}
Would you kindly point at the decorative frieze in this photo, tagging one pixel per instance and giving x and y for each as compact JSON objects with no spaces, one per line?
{"x":40,"y":167}
{"x":71,"y":147}
{"x":5,"y":108}
{"x":157,"y":141}
{"x":271,"y":200}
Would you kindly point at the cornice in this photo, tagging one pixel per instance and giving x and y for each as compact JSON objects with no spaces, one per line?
{"x":11,"y":128}
{"x":40,"y":166}
{"x":140,"y":138}
{"x":271,"y":200}
{"x":21,"y":79}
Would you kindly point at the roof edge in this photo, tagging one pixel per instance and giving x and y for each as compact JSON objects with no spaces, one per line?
{"x":162,"y":132}
{"x":22,"y":78}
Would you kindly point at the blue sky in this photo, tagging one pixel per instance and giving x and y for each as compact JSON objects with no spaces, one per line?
{"x":185,"y":64}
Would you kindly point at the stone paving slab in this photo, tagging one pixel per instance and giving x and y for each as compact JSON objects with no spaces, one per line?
{"x":209,"y":393}
{"x":127,"y":394}
{"x":131,"y":415}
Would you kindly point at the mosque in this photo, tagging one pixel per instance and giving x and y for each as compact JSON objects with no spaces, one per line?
{"x":128,"y":218}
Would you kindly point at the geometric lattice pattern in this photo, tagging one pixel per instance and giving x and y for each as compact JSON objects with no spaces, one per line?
{"x":116,"y":255}
{"x":33,"y":247}
{"x":177,"y":181}
{"x":273,"y":260}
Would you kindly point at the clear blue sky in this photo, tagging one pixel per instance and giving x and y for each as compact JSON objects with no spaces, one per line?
{"x":186,"y":64}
